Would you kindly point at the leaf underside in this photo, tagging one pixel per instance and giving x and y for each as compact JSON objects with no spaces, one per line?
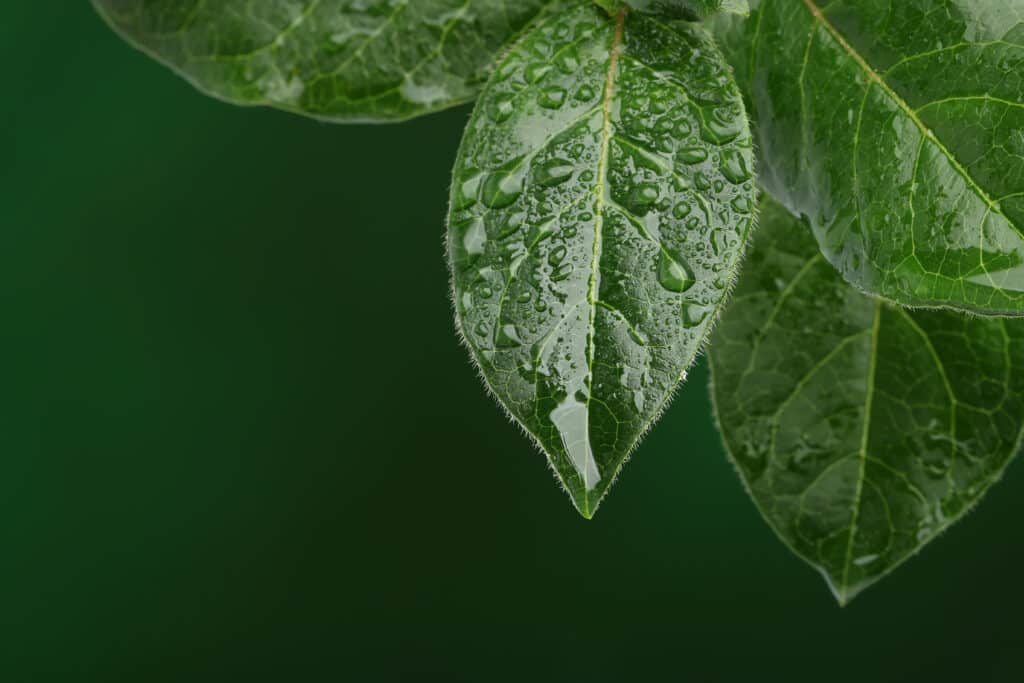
{"x":862,"y":430}
{"x":897,"y":129}
{"x":337,"y":60}
{"x":600,"y":204}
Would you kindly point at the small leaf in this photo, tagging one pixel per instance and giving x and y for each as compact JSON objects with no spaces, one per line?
{"x":339,"y":60}
{"x":897,"y":128}
{"x":862,"y":430}
{"x":690,"y":9}
{"x":601,"y":200}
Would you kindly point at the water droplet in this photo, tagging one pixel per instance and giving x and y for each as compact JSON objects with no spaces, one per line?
{"x":697,"y":314}
{"x":568,"y":61}
{"x":692,"y":155}
{"x":509,"y":224}
{"x":734,"y":166}
{"x":552,"y":98}
{"x":721,"y":126}
{"x":557,"y":255}
{"x":571,"y":421}
{"x":645,"y":195}
{"x":554,"y":172}
{"x":719,"y":241}
{"x":528,"y":372}
{"x":470,"y":246}
{"x":482,"y":329}
{"x":637,"y":336}
{"x":466,"y":191}
{"x":585,"y":94}
{"x":536,"y":71}
{"x":742,"y":204}
{"x":508,"y":69}
{"x":865,"y":560}
{"x":500,"y":108}
{"x":562,"y":272}
{"x":672,"y":274}
{"x":502,"y":189}
{"x":541,"y":231}
{"x":507,"y":337}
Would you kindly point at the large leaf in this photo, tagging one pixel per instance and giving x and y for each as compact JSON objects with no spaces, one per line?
{"x":861,"y":429}
{"x":340,"y":60}
{"x":601,"y":200}
{"x":897,"y":128}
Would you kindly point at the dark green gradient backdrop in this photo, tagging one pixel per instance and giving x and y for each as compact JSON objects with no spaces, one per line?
{"x":241,"y":442}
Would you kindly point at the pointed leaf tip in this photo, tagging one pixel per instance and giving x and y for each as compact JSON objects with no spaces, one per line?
{"x":862,"y":430}
{"x":589,"y":250}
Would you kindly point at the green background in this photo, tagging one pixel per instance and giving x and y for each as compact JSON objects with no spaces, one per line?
{"x":240,"y":440}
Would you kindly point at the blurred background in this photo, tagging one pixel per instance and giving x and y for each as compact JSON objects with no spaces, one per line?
{"x":241,"y":441}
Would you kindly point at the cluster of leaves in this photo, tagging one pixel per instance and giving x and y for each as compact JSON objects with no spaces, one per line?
{"x":604,"y":196}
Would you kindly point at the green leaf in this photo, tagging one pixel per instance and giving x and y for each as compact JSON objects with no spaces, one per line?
{"x":689,"y":9}
{"x":601,"y":200}
{"x":897,"y":128}
{"x":338,"y":60}
{"x":611,"y":6}
{"x":862,"y":430}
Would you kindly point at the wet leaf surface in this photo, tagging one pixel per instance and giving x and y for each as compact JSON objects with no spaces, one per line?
{"x":341,"y":60}
{"x":600,"y":203}
{"x":689,"y":9}
{"x":897,"y":128}
{"x":862,"y":430}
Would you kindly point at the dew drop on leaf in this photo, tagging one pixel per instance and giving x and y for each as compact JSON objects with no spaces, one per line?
{"x":553,"y":97}
{"x":672,"y":274}
{"x":502,"y":189}
{"x":734,"y":166}
{"x":692,"y":155}
{"x":554,"y":172}
{"x":507,"y":337}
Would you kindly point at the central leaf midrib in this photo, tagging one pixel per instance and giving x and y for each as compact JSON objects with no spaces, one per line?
{"x":819,"y":16}
{"x":601,"y":190}
{"x":844,"y":588}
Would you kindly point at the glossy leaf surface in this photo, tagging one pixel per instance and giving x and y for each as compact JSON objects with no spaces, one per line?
{"x":600,"y":203}
{"x":861,"y":429}
{"x":689,"y":9}
{"x":340,"y":60}
{"x":897,"y":128}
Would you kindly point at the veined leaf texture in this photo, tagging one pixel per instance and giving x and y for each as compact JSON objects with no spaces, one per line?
{"x":339,"y":60}
{"x":689,"y":9}
{"x":897,"y":128}
{"x":601,"y":202}
{"x":861,"y":429}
